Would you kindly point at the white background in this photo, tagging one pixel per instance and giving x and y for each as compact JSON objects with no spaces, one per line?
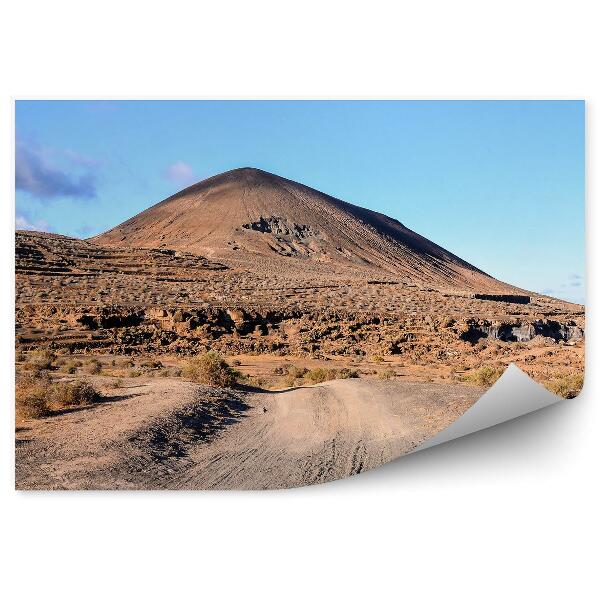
{"x":507,"y":513}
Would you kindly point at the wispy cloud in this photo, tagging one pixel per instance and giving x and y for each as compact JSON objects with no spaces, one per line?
{"x":180,"y":173}
{"x":82,"y":159}
{"x":24,"y":221}
{"x":575,"y":280}
{"x":570,"y":290}
{"x":36,"y":175}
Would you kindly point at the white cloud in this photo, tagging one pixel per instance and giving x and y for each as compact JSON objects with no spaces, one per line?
{"x":181,"y":173}
{"x":24,"y":221}
{"x":35,"y":175}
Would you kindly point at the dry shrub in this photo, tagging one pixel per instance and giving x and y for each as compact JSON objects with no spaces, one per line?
{"x":94,"y":367}
{"x":78,"y":393}
{"x":210,"y":369}
{"x":43,"y":359}
{"x":150,"y":365}
{"x":567,"y":385}
{"x":348,"y":374}
{"x":387,"y":374}
{"x":485,"y":376}
{"x":258,"y":381}
{"x":37,"y":397}
{"x":377,"y":358}
{"x":290,"y":381}
{"x":40,"y":360}
{"x":320,"y":375}
{"x":296,"y":372}
{"x":31,"y":397}
{"x":447,"y":322}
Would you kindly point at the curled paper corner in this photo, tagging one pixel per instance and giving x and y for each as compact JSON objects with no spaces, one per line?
{"x":513,"y":395}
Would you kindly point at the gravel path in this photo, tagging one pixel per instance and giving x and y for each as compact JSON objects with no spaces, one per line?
{"x":170,"y":434}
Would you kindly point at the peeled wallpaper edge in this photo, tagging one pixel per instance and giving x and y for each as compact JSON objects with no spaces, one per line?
{"x":513,"y":395}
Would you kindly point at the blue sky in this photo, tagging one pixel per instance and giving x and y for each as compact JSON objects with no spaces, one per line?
{"x":499,"y":183}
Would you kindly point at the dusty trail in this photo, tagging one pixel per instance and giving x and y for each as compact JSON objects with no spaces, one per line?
{"x":175,"y":435}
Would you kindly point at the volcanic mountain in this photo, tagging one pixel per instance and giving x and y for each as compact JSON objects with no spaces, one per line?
{"x":255,"y":220}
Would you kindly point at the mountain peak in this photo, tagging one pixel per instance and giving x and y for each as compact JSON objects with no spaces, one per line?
{"x":250,"y":217}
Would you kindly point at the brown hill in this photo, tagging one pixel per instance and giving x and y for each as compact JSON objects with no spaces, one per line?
{"x":256,"y":220}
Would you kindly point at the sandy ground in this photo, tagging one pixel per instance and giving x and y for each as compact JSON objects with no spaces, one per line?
{"x":170,"y":434}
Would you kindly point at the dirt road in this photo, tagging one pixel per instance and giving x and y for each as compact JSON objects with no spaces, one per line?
{"x":170,"y":434}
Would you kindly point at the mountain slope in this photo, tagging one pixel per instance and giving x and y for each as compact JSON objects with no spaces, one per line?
{"x":259,"y":221}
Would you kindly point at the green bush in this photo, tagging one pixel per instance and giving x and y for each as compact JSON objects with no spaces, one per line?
{"x":211,"y":369}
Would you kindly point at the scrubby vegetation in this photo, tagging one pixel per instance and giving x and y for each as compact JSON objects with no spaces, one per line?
{"x":31,"y":397}
{"x":485,"y":376}
{"x":568,"y":385}
{"x":151,"y":365}
{"x":211,"y":369}
{"x":42,"y":359}
{"x":387,"y":374}
{"x":348,"y":374}
{"x":77,"y":393}
{"x":38,"y":397}
{"x":94,"y":367}
{"x":300,"y":375}
{"x":320,"y":375}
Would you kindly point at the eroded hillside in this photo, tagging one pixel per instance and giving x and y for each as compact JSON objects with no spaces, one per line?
{"x":76,"y":296}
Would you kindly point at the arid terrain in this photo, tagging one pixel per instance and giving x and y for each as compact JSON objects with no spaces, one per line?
{"x":162,"y":434}
{"x":284,"y":282}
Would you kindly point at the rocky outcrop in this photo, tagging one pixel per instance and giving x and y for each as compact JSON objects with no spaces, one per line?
{"x":75,"y":296}
{"x":522,"y":331}
{"x":511,"y":298}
